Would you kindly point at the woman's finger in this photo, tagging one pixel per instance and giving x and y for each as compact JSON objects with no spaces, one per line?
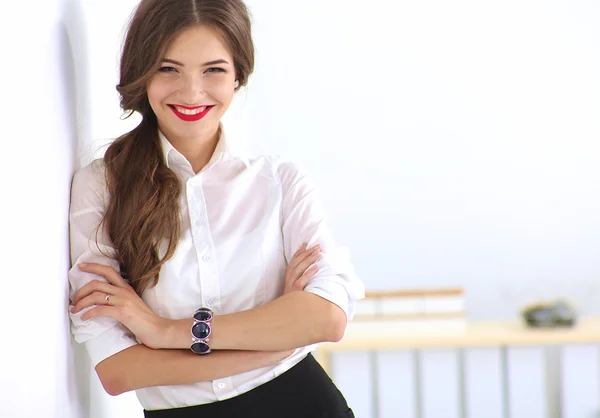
{"x":299,"y":270}
{"x":300,"y":253}
{"x":94,"y":286}
{"x":301,"y":283}
{"x":302,"y":256}
{"x":299,"y":250}
{"x":96,"y":298}
{"x":110,"y":274}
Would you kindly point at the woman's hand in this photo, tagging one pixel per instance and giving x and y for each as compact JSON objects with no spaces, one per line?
{"x":297,"y":273}
{"x":118,"y":300}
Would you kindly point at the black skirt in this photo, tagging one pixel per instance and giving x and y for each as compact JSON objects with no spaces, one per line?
{"x":304,"y":391}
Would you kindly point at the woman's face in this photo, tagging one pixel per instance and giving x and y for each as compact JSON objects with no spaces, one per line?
{"x":194,"y":86}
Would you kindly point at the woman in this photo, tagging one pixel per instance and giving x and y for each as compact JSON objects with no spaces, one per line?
{"x":173,"y":233}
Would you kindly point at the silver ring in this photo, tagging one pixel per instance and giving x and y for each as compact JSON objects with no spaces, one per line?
{"x":107,"y":298}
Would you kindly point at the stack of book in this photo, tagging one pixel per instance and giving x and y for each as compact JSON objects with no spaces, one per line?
{"x":414,"y":309}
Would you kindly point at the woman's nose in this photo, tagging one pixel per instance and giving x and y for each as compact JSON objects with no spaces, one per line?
{"x":192,"y":89}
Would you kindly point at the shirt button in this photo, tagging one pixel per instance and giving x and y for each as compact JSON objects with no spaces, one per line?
{"x":206,"y":257}
{"x":221,"y":385}
{"x":210,"y":302}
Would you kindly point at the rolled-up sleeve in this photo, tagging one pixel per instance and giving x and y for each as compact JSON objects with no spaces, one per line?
{"x":103,"y":336}
{"x":303,"y":220}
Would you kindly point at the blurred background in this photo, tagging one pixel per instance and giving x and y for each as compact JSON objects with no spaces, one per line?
{"x":455,"y":144}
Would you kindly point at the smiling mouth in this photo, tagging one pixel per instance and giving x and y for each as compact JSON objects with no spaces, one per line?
{"x":190,"y":114}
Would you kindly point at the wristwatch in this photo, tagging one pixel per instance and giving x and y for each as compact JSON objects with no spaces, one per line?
{"x":201,"y":331}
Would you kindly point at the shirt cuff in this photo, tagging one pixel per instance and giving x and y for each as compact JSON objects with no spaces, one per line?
{"x":109,"y":343}
{"x":333,"y":292}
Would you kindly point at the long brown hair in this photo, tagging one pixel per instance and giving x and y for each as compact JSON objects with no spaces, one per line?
{"x":143,"y":208}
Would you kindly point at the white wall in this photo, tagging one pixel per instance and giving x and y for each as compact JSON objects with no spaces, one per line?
{"x":38,"y":377}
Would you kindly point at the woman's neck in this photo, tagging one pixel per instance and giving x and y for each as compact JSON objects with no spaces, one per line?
{"x":197,"y":150}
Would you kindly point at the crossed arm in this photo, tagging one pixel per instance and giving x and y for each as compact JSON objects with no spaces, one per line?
{"x":243,"y":341}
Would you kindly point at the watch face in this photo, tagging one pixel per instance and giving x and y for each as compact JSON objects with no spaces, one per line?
{"x":201,"y":330}
{"x":203,"y":315}
{"x":200,"y":348}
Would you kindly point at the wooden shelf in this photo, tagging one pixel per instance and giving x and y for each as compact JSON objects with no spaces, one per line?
{"x":444,"y":291}
{"x":361,"y":337}
{"x":474,"y":334}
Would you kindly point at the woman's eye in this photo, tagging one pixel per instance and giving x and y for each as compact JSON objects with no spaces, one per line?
{"x":215,"y":70}
{"x":166,"y":69}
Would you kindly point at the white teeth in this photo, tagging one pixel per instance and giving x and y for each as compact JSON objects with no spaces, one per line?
{"x":190,"y":111}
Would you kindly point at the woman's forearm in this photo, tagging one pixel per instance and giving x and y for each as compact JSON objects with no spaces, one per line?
{"x":294,"y":320}
{"x":140,"y":367}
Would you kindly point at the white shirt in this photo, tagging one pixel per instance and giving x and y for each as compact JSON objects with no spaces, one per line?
{"x":242,"y":221}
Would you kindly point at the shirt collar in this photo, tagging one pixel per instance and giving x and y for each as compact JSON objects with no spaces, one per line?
{"x":223,"y":152}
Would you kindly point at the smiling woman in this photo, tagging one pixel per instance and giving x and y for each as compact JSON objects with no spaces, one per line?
{"x":183,"y":247}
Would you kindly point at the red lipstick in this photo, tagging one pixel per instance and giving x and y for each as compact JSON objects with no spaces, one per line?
{"x":190,"y":118}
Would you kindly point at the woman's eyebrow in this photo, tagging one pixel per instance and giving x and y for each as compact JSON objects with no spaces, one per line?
{"x":215,"y":62}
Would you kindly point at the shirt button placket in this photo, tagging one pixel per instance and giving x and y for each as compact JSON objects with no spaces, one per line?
{"x":209,"y":280}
